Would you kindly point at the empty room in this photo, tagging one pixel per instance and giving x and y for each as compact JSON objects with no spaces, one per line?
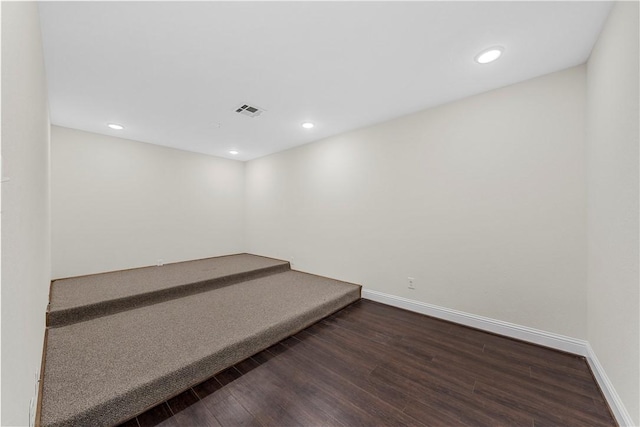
{"x":320,"y":213}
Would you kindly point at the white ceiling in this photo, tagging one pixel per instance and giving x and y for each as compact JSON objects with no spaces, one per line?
{"x":173,"y":73}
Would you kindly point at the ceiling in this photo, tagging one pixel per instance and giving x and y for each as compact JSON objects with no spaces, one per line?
{"x":173,"y":73}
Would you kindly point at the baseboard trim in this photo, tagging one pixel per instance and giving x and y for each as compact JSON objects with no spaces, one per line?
{"x":613,"y":399}
{"x":512,"y":330}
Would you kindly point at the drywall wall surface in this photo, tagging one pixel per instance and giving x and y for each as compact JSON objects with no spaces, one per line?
{"x":119,"y":204}
{"x":612,"y":180}
{"x":482,"y":201}
{"x":26,"y":264}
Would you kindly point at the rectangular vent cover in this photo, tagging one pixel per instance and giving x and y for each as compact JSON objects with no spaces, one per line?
{"x":249,"y":110}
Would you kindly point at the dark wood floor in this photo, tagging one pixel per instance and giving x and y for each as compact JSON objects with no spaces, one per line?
{"x":376,"y":365}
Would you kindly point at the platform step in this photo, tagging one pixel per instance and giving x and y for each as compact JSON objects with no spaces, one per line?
{"x":83,"y":298}
{"x":106,"y":370}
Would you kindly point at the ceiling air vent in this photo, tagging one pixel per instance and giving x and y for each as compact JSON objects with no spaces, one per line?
{"x":249,"y":110}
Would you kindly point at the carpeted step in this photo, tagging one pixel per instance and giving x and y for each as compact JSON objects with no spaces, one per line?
{"x":82,"y":298}
{"x":104,"y":371}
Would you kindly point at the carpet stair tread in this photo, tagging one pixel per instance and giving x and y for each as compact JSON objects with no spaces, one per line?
{"x":109,"y":369}
{"x":82,"y":298}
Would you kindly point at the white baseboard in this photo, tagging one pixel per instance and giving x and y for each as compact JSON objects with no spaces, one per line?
{"x":524,"y":333}
{"x":615,"y":403}
{"x":512,"y":330}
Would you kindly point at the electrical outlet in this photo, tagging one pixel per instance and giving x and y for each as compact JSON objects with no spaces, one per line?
{"x":412,"y":282}
{"x":159,"y":263}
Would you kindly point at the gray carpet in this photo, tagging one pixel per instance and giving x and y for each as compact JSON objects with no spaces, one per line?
{"x":86,"y":297}
{"x":106,"y":370}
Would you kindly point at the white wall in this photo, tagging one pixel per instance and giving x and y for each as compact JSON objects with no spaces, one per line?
{"x":613,"y":275}
{"x":483,"y":201}
{"x":25,"y":208}
{"x":119,"y":204}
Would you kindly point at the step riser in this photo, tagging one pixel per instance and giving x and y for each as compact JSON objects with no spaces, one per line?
{"x":61,"y":318}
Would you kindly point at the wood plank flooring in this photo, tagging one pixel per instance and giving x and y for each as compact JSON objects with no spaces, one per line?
{"x":374,"y":365}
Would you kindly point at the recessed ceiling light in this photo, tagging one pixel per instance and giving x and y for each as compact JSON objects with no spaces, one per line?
{"x":115,"y":126}
{"x":234,"y":152}
{"x":489,"y":55}
{"x":307,"y":125}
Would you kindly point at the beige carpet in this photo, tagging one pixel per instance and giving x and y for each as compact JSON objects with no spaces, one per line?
{"x":86,"y":297}
{"x":103,"y":371}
